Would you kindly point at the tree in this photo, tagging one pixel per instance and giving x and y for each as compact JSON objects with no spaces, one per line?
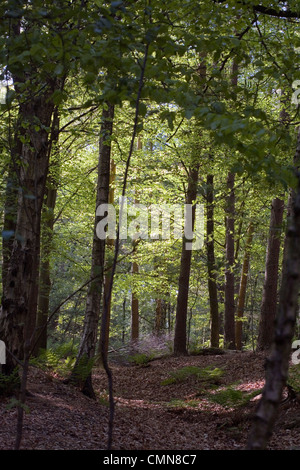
{"x":211,"y":264}
{"x":40,"y":341}
{"x":86,"y":354}
{"x":180,"y":338}
{"x":278,"y":361}
{"x":229,"y":323}
{"x":19,"y":300}
{"x":243,"y":286}
{"x":270,"y":299}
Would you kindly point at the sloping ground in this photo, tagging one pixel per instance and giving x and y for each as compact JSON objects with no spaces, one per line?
{"x":152,"y":412}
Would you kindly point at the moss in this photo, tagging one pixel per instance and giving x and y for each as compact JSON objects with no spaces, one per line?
{"x":232,"y":397}
{"x":207,"y":374}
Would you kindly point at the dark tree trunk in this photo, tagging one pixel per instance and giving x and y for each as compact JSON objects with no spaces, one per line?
{"x":81,"y":374}
{"x":134,"y":309}
{"x":109,"y":256}
{"x":19,"y":301}
{"x":211,"y":265}
{"x":270,"y":299}
{"x":277,"y":364}
{"x":229,"y":323}
{"x":180,"y":338}
{"x":46,"y":241}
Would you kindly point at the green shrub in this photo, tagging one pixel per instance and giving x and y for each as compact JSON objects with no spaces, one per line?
{"x":207,"y":374}
{"x":141,"y":359}
{"x":232,"y":397}
{"x":294,"y":378}
{"x":9,"y":384}
{"x":60,"y":359}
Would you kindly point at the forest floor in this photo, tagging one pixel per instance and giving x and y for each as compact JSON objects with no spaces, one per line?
{"x":157,"y":407}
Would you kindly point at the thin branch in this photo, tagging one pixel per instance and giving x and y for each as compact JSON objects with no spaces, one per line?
{"x":116,"y":253}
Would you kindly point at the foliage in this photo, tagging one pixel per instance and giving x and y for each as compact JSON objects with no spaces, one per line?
{"x":232,"y":397}
{"x":10,"y":384}
{"x":206,"y":375}
{"x":59,"y":359}
{"x":96,"y":49}
{"x":141,"y":359}
{"x":294,"y":378}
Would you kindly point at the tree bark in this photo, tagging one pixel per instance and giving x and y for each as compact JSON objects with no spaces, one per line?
{"x":81,"y":374}
{"x":229,"y":323}
{"x":109,"y":248}
{"x":269,"y":298}
{"x":180,"y":338}
{"x":134,"y":309}
{"x":19,"y":301}
{"x":278,"y":361}
{"x":211,"y":265}
{"x":46,"y":242}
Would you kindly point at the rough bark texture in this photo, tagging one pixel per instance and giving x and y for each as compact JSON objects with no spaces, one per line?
{"x":270,"y":298}
{"x":278,"y":362}
{"x":10,"y":208}
{"x":211,"y":265}
{"x":19,"y":301}
{"x":87,"y":349}
{"x":229,"y":323}
{"x":180,"y":338}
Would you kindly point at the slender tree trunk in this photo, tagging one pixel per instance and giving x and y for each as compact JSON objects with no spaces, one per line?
{"x":229,"y":323}
{"x":243,"y":288}
{"x":135,"y":317}
{"x":180,"y":338}
{"x":277,"y":364}
{"x":211,"y":265}
{"x":109,"y":248}
{"x":81,"y":374}
{"x":134,"y":309}
{"x":160,"y":316}
{"x":46,"y":243}
{"x":269,"y":299}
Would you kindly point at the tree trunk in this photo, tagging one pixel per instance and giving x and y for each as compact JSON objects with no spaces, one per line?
{"x":109,"y":248}
{"x":243,"y":288}
{"x":134,"y":309}
{"x":160,"y":316}
{"x":269,"y":299}
{"x":229,"y":323}
{"x":180,"y":338}
{"x":278,"y":362}
{"x":19,"y":301}
{"x":81,"y":374}
{"x":11,"y":203}
{"x":46,"y":243}
{"x":211,"y":265}
{"x":135,"y":318}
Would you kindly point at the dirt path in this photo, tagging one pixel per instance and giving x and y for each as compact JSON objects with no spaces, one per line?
{"x":154,"y":411}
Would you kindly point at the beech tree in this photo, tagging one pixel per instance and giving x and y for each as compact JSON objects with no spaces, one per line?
{"x":270,"y":298}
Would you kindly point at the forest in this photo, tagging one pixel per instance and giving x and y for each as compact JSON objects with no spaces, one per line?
{"x":150,"y":226}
